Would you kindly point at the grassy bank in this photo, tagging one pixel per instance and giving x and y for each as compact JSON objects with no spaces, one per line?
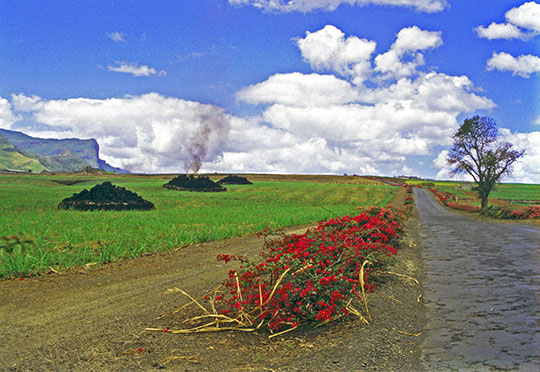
{"x":60,"y":239}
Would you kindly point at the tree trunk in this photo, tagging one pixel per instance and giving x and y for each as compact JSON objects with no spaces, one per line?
{"x":484,"y":201}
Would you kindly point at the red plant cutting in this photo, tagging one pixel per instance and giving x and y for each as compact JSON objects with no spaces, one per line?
{"x":316,"y":277}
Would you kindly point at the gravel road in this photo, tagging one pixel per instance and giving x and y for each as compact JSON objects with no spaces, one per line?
{"x":481,"y":291}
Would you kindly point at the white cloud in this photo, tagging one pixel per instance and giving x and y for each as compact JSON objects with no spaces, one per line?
{"x":7,"y":117}
{"x":328,"y":49}
{"x":523,"y":23}
{"x":444,"y":169}
{"x":527,"y":168}
{"x":381,"y":125}
{"x":409,"y":117}
{"x":256,"y":148}
{"x":409,"y":42}
{"x":309,"y":123}
{"x":147,"y":133}
{"x":22,"y":102}
{"x":500,"y":31}
{"x":537,"y":121}
{"x":526,"y":16}
{"x":524,"y":65}
{"x":305,"y":6}
{"x":296,"y":89}
{"x":135,"y":69}
{"x":412,"y":39}
{"x":117,"y":37}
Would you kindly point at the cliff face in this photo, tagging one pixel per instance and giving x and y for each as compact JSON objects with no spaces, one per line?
{"x":58,"y":155}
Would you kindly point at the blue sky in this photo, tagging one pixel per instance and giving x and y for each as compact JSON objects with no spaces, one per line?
{"x":367,"y":86}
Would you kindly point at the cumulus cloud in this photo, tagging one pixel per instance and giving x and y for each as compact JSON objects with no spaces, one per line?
{"x":135,"y":69}
{"x":253,"y":147}
{"x":526,"y":16}
{"x":444,"y":172}
{"x":308,"y":123}
{"x":147,"y":133}
{"x":7,"y":117}
{"x":407,"y":117}
{"x":409,"y":42}
{"x":526,"y":168}
{"x":500,"y":31}
{"x":328,"y":49}
{"x":296,"y":89}
{"x":524,"y":65}
{"x":523,"y":23}
{"x":305,"y":6}
{"x":117,"y":37}
{"x":379,"y":124}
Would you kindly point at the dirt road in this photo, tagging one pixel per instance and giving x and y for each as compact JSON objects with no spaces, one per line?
{"x":93,"y":319}
{"x":482,"y":292}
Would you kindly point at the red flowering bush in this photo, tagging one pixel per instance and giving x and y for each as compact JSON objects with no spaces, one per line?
{"x":409,"y":200}
{"x":514,"y":214}
{"x":449,"y":200}
{"x":493,"y":211}
{"x":312,"y":277}
{"x":464,"y":207}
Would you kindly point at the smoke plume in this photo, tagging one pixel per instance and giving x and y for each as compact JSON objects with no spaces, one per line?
{"x":211,"y":134}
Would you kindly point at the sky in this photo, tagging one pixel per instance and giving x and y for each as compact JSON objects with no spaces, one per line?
{"x":370,"y":87}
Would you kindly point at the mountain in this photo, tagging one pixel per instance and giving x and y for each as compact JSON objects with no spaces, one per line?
{"x":55,"y":155}
{"x":13,"y":159}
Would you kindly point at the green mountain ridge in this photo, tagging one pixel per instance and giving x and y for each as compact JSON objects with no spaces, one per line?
{"x":12,"y":158}
{"x":22,"y":152}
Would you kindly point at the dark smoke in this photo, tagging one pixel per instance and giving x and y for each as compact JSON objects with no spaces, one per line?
{"x":212,"y":132}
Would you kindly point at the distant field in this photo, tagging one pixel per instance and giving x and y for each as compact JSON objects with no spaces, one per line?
{"x":69,"y":238}
{"x":517,"y":192}
{"x":510,"y":193}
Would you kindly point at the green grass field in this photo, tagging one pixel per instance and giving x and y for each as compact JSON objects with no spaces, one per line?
{"x":516,"y":192}
{"x":512,"y":193}
{"x":62,"y":239}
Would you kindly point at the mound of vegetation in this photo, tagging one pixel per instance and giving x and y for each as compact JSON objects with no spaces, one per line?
{"x":191,"y":183}
{"x":235,"y":180}
{"x":106,"y":196}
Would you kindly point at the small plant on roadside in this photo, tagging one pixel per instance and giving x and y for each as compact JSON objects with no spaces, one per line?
{"x":13,"y":243}
{"x":408,"y":200}
{"x":16,"y":255}
{"x":463,"y":207}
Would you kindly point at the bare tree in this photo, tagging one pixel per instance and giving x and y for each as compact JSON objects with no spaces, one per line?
{"x":478,"y":152}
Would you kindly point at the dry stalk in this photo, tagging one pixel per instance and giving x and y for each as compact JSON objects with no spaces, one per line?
{"x":175,"y":290}
{"x":282,"y":332}
{"x":275,"y":287}
{"x":410,"y":334}
{"x":245,"y":321}
{"x":401,"y":275}
{"x":366,"y":262}
{"x":191,"y":359}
